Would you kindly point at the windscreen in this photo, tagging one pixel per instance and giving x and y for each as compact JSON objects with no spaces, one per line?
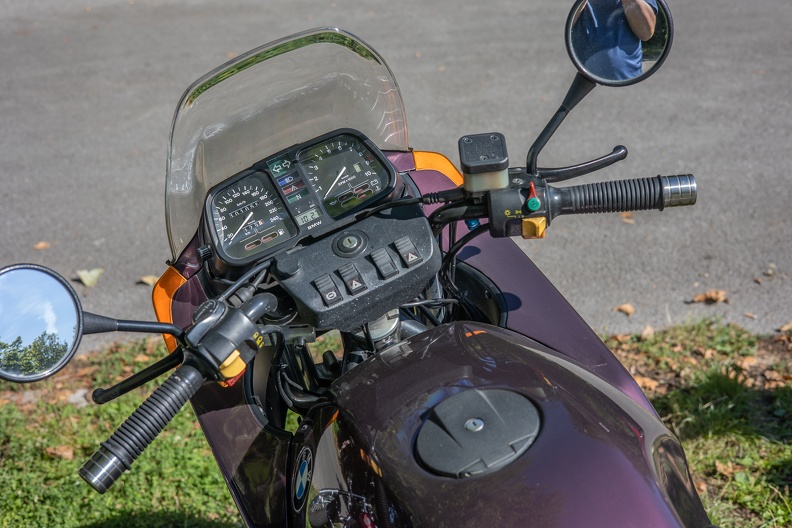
{"x":267,"y":100}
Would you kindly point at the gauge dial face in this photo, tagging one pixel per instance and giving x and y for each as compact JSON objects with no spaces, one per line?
{"x":249,"y":217}
{"x":343,"y":172}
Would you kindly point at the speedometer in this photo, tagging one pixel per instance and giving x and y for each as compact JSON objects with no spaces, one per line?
{"x":344,"y":172}
{"x":249,"y":217}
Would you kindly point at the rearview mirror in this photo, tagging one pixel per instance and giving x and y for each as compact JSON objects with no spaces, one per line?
{"x":40,"y":323}
{"x":619,"y":42}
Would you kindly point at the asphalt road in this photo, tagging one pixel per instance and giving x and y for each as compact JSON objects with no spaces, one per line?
{"x":88,"y":89}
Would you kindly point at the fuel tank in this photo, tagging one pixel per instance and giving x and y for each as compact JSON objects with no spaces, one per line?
{"x":473,"y":425}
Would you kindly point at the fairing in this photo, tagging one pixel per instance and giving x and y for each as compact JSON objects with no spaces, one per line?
{"x":269,"y":99}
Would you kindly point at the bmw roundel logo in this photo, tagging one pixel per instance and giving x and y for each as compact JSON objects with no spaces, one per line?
{"x":302,"y":478}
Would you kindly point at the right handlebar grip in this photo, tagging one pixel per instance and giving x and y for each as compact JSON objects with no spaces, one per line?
{"x":117,"y":454}
{"x":625,"y":195}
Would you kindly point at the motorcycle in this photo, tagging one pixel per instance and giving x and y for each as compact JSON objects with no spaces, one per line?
{"x":467,"y":391}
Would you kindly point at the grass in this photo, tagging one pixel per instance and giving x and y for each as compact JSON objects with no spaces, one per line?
{"x":727,"y":396}
{"x":724,"y":392}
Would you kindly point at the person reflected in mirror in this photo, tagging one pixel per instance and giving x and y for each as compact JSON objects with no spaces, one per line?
{"x":607,"y":36}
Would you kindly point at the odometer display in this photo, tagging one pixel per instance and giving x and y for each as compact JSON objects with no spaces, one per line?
{"x":249,"y":217}
{"x":307,"y":216}
{"x":344,"y":173}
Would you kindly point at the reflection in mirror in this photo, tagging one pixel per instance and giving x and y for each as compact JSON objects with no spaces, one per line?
{"x":40,"y":323}
{"x":619,"y":42}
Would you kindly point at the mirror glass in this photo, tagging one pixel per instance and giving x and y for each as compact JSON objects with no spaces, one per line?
{"x":40,"y":323}
{"x":619,"y":42}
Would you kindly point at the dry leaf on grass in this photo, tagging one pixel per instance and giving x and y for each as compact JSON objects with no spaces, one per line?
{"x":64,"y":452}
{"x":646,"y":383}
{"x":786,"y":328}
{"x":142,"y":358}
{"x":747,"y":362}
{"x":626,"y":308}
{"x":647,"y":333}
{"x":711,"y":297}
{"x":42,"y":245}
{"x":727,"y":470}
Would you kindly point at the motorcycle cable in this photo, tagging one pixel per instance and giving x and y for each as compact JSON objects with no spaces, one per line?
{"x":447,"y":281}
{"x":254,"y":271}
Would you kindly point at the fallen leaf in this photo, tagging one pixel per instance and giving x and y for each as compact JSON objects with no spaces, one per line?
{"x":747,"y":362}
{"x":772,"y":375}
{"x":142,"y":358}
{"x":647,"y":333}
{"x":786,"y":328}
{"x":711,"y":297}
{"x":646,"y":383}
{"x":701,"y":487}
{"x":749,"y":315}
{"x":64,"y":452}
{"x":232,"y":54}
{"x":89,"y":277}
{"x":627,"y":309}
{"x":627,"y":217}
{"x":40,"y":246}
{"x":149,"y":280}
{"x":727,"y":470}
{"x":758,"y":280}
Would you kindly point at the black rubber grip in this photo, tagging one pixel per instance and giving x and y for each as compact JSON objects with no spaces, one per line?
{"x":624,"y":195}
{"x":117,"y":454}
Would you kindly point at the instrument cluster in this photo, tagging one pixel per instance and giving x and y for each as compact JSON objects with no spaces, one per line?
{"x":302,"y":191}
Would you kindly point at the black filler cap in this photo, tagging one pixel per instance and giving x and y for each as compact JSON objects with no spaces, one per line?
{"x":477,"y":432}
{"x":480,"y":153}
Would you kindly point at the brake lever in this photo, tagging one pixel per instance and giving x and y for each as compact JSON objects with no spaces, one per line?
{"x":567,"y":173}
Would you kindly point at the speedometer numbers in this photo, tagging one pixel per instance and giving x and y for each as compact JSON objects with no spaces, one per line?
{"x":302,"y":190}
{"x":249,"y":217}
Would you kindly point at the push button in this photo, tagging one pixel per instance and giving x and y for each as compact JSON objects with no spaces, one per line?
{"x":352,"y":279}
{"x":327,"y":289}
{"x":407,"y":252}
{"x":384,"y":263}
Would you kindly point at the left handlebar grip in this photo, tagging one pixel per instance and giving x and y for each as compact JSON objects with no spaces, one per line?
{"x":117,"y":454}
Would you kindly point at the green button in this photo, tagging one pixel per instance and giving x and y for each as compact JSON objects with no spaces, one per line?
{"x":534,"y":204}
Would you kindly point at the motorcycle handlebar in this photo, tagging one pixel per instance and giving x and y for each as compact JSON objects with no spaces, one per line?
{"x":624,"y":195}
{"x":133,"y":436}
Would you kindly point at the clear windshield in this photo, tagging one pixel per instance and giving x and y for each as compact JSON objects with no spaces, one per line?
{"x":269,"y":99}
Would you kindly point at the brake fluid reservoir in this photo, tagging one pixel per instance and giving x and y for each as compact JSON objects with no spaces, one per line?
{"x":485,"y":162}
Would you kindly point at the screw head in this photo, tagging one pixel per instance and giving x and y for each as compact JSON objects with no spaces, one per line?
{"x":474,"y":425}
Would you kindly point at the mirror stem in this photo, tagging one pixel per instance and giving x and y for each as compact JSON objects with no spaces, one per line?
{"x":579,"y":89}
{"x":99,"y":324}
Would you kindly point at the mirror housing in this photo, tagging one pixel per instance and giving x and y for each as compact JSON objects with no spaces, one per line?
{"x":41,"y":323}
{"x":613,"y":45}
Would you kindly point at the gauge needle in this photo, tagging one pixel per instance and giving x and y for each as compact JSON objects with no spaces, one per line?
{"x":334,"y":182}
{"x":243,"y":225}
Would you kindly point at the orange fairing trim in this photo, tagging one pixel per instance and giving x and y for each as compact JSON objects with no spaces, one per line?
{"x":439,"y":163}
{"x":162,"y":298}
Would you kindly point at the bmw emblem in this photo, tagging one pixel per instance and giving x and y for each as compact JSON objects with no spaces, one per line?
{"x":302,"y":478}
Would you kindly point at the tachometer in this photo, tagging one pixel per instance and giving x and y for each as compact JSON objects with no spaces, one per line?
{"x":344,"y":172}
{"x":249,"y":217}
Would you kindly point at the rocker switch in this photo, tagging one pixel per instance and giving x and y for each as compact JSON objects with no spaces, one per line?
{"x":328,"y":290}
{"x":384,"y":263}
{"x":352,"y":279}
{"x":407,"y":252}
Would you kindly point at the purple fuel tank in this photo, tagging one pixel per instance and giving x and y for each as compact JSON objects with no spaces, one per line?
{"x":599,"y":458}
